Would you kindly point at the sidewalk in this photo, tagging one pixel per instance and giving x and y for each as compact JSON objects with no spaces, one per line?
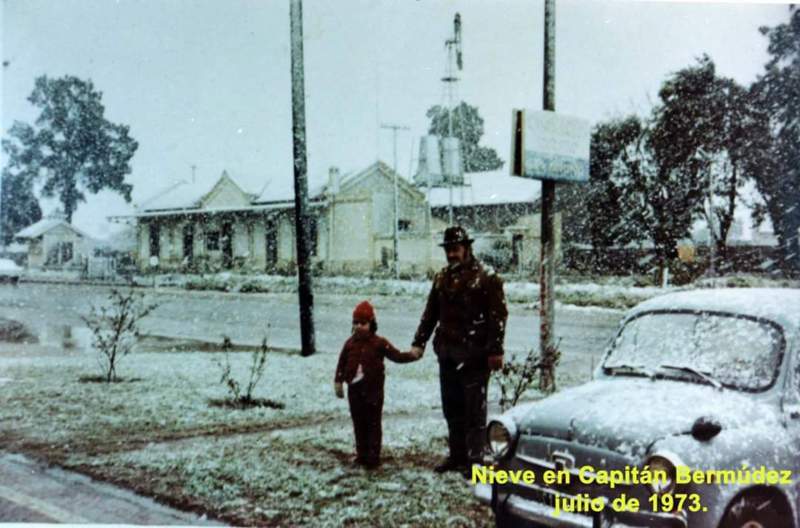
{"x":33,"y":492}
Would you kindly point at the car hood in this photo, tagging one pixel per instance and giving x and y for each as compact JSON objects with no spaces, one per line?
{"x":627,"y":415}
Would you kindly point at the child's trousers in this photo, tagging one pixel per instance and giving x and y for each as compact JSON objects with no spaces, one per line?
{"x":366,"y":407}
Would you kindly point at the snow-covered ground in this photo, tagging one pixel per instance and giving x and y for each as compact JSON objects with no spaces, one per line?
{"x":159,"y":435}
{"x":609,"y":292}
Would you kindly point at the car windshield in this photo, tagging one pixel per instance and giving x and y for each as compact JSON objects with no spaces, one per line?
{"x":738,"y":352}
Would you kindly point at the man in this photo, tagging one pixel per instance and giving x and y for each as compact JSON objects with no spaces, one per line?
{"x":467,"y":308}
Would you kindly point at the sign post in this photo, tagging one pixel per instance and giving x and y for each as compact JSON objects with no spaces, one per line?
{"x":552,"y":148}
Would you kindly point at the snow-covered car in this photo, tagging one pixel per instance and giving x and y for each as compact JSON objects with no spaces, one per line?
{"x":9,"y":271}
{"x":694,"y":412}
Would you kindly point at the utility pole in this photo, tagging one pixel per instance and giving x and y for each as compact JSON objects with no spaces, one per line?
{"x":304,"y":286}
{"x":394,"y":129}
{"x":194,"y":169}
{"x":546,"y":277}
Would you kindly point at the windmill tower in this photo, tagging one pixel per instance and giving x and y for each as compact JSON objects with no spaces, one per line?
{"x":452,"y":164}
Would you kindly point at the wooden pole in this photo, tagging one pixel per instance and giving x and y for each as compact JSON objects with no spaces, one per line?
{"x":304,"y":285}
{"x":547,"y":275}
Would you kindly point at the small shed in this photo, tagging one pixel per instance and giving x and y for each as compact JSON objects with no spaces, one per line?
{"x":52,"y":242}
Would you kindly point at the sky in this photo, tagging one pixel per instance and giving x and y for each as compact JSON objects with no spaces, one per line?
{"x":207,"y":83}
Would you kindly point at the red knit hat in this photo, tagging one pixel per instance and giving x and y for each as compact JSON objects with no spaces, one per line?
{"x":364,"y":312}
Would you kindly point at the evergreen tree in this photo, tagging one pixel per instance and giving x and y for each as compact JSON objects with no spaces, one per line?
{"x":595,"y":212}
{"x":777,"y":176}
{"x":467,"y":125}
{"x":709,"y":131}
{"x":20,"y":208}
{"x":71,"y":146}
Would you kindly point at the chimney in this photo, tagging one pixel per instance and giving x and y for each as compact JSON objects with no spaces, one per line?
{"x":333,"y":180}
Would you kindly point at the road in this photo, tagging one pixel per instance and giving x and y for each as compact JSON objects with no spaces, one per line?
{"x":53,"y":312}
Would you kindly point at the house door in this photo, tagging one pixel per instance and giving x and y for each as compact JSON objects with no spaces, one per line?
{"x":272,"y":246}
{"x":188,"y":243}
{"x":227,"y":245}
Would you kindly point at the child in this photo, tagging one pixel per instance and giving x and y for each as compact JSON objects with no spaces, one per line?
{"x":361,"y":367}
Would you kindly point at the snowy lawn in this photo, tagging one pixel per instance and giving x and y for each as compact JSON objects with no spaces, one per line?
{"x":304,"y":477}
{"x":158,"y":434}
{"x":611,"y":294}
{"x":169,"y":397}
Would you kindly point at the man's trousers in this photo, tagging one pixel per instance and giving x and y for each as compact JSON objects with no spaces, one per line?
{"x":464,"y":405}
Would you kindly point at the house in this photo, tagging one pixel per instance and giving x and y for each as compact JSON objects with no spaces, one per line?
{"x":185,"y":228}
{"x":54,"y":243}
{"x":356,"y":224}
{"x":188,"y":228}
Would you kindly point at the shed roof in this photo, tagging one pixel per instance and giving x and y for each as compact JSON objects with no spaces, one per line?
{"x":44,"y":225}
{"x":487,"y":188}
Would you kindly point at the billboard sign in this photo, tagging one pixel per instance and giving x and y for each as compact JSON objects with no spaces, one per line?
{"x":550,"y":146}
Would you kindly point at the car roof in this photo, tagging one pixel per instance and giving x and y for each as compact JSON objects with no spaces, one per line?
{"x":8,"y":264}
{"x":781,"y":305}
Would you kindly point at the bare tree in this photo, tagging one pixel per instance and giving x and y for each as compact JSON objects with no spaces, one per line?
{"x":115,"y":328}
{"x":258,"y":362}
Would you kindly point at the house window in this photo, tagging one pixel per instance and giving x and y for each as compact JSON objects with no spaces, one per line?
{"x":155,"y":242}
{"x":404,"y":225}
{"x":67,"y":251}
{"x":59,"y":253}
{"x":212,"y":241}
{"x":313,"y":233}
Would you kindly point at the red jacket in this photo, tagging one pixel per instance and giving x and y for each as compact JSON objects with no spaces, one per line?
{"x":368,"y":351}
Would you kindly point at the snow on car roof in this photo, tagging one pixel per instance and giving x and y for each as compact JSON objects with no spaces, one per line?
{"x":781,"y":305}
{"x":8,"y":264}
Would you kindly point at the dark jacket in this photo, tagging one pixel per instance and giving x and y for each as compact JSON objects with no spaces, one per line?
{"x":368,"y":351}
{"x":469,"y":307}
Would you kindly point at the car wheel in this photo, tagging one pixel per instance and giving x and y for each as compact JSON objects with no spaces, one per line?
{"x":757,"y":511}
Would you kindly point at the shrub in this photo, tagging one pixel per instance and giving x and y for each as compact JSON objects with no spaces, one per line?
{"x":115,"y":327}
{"x":241,"y":395}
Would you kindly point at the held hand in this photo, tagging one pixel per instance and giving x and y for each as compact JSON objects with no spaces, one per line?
{"x":338,"y":389}
{"x":417,"y":352}
{"x":495,"y":362}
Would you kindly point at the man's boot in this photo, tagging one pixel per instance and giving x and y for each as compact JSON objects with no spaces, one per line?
{"x":452,"y":464}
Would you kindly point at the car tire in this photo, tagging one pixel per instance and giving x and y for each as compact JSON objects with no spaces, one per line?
{"x":758,"y":510}
{"x":504,"y":520}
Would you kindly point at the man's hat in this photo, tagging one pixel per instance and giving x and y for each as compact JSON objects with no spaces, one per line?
{"x":455,"y":235}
